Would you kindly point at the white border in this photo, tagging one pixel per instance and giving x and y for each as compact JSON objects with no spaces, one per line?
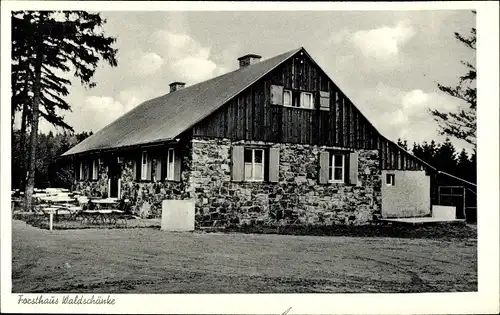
{"x":484,"y":301}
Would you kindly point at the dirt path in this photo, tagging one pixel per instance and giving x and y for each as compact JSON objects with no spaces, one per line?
{"x":152,"y":261}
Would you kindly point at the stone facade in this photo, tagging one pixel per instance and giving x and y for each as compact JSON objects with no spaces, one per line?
{"x":143,"y":193}
{"x":97,"y":187}
{"x":297,"y":197}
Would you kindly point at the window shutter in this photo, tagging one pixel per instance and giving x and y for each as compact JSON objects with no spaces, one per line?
{"x":98,"y":167}
{"x":148,"y":166}
{"x":324,"y":167}
{"x":134,"y":167}
{"x":177,"y":165}
{"x":87,"y":169}
{"x":77,"y":170}
{"x":274,"y":164}
{"x":277,"y":94}
{"x":163,"y":162}
{"x":324,"y":100}
{"x":238,"y":165}
{"x":158,"y":170}
{"x":138,"y":166}
{"x":353,"y":168}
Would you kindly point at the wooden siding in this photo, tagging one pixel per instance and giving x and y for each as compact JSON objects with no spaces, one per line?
{"x":250,"y":116}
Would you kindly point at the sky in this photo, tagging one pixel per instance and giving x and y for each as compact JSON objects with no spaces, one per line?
{"x":387,"y":62}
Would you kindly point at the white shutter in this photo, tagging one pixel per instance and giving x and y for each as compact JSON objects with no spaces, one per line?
{"x":276,"y":94}
{"x":353,"y":168}
{"x":324,"y":167}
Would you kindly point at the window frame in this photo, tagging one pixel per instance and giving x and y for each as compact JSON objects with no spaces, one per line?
{"x":311,"y":97}
{"x":332,"y":167}
{"x":170,"y":171}
{"x":392,"y":181}
{"x":253,"y":163}
{"x":144,"y":166}
{"x":286,"y":91}
{"x":95,"y":169}
{"x":82,"y":171}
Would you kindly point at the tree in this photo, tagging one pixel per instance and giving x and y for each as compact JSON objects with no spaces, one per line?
{"x":403,"y":144}
{"x":461,"y":124}
{"x":445,"y":158}
{"x":425,"y":151}
{"x":50,"y":171}
{"x":56,"y":42}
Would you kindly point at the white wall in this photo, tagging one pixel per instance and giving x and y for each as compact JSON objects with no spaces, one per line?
{"x":409,"y":197}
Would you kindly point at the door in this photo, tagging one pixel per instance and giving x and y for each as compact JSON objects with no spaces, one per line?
{"x":453,"y":196}
{"x":114,"y":178}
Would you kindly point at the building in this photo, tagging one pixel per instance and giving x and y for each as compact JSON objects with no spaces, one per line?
{"x":275,"y":140}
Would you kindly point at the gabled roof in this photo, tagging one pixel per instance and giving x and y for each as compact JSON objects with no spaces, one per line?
{"x":166,"y":117}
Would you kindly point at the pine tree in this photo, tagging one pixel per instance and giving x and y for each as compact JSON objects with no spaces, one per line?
{"x":446,"y":157}
{"x":55,"y":42}
{"x":464,"y":166}
{"x":461,"y":124}
{"x":403,"y":144}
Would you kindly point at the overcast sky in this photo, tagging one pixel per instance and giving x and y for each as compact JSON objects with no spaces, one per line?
{"x":387,"y":62}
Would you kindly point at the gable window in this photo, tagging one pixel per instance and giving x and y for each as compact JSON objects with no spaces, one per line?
{"x":254,"y":164}
{"x":306,"y":100}
{"x":287,"y":98}
{"x":337,"y":168}
{"x":95,"y":169}
{"x":390,"y":179}
{"x":144,"y":165}
{"x":170,"y":164}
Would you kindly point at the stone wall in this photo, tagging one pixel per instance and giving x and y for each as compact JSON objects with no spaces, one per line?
{"x":145,"y":197}
{"x":297,"y":197}
{"x":97,"y":187}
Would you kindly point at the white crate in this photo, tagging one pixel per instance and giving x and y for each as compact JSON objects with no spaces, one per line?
{"x":177,"y":215}
{"x":444,"y":212}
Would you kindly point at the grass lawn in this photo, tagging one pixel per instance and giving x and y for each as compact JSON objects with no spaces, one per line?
{"x":152,"y":261}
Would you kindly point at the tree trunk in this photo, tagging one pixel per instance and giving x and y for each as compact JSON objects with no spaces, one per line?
{"x":34,"y":119}
{"x":22,"y":146}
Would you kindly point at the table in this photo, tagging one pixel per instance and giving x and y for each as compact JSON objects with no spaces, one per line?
{"x":61,"y":203}
{"x":50,"y":211}
{"x":103,"y":215}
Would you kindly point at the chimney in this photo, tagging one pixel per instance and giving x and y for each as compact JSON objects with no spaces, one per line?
{"x":249,"y":59}
{"x":174,"y":86}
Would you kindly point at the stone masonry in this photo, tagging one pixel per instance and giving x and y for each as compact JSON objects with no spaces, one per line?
{"x":141,"y":193}
{"x":296,"y":198}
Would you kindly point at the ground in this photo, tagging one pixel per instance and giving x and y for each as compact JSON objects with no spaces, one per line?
{"x":148,"y":260}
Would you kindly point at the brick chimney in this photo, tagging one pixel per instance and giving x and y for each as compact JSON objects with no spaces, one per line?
{"x":174,"y":86}
{"x":249,"y":59}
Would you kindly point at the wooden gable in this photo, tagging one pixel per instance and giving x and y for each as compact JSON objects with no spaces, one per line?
{"x":258,"y":113}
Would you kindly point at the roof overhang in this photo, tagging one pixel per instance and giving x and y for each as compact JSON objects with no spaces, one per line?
{"x":156,"y":143}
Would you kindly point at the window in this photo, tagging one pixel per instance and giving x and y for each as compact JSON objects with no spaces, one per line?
{"x":170,"y":164}
{"x":306,"y":100}
{"x":144,"y":165}
{"x":254,"y":164}
{"x":95,"y":169}
{"x":390,"y":179}
{"x":82,"y":174}
{"x":287,"y":98}
{"x":337,"y":168}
